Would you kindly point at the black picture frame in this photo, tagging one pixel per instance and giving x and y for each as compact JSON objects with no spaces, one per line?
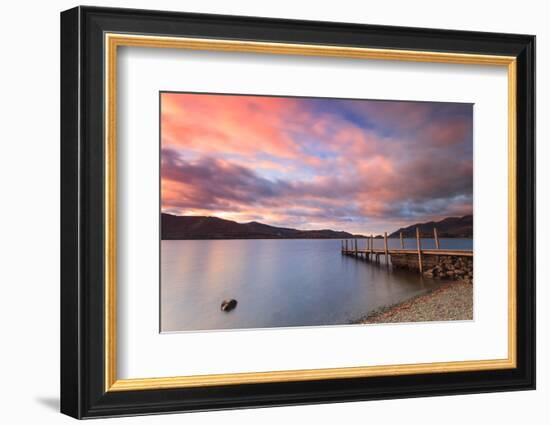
{"x":83,"y":392}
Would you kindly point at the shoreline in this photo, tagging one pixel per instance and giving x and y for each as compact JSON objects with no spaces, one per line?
{"x":450,"y":301}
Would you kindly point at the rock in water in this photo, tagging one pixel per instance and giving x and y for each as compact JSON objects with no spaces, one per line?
{"x":228,"y":305}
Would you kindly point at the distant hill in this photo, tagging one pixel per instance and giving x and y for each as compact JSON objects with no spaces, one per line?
{"x":201,"y":227}
{"x":450,"y":227}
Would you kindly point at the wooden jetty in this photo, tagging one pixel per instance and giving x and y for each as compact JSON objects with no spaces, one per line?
{"x":370,"y":253}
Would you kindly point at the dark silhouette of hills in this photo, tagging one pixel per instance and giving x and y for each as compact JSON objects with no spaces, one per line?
{"x":450,"y":227}
{"x":201,"y":227}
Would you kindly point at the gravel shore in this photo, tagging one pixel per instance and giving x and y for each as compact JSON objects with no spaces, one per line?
{"x":451,"y":301}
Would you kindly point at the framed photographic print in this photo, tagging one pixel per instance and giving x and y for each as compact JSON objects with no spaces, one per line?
{"x":261,"y":212}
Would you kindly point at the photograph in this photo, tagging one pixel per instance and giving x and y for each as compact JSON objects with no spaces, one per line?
{"x":285,"y":211}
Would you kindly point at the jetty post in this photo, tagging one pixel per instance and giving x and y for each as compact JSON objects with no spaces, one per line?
{"x":386,"y":248}
{"x":371,"y":247}
{"x":342,"y":245}
{"x":346,"y":246}
{"x":436,"y":238}
{"x":419,"y":249}
{"x":401,"y":238}
{"x":355,"y":240}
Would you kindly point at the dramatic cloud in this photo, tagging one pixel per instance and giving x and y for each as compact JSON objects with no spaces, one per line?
{"x":360,"y":166}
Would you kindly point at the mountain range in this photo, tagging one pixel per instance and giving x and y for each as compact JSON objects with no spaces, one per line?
{"x":450,"y":227}
{"x":203,"y":227}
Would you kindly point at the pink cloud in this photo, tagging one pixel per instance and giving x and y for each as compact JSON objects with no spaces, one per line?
{"x":230,"y":124}
{"x":448,"y":132}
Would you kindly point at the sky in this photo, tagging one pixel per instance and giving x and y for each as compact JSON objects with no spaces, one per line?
{"x":362,"y":166}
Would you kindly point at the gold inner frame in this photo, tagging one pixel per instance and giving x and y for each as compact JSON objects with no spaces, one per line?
{"x":113,"y":41}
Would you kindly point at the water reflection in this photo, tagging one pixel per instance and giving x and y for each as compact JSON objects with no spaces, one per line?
{"x":278,"y":283}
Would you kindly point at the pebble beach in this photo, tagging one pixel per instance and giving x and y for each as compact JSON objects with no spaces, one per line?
{"x":450,"y":301}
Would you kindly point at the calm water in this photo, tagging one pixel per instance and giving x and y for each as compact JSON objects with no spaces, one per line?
{"x":278,"y":283}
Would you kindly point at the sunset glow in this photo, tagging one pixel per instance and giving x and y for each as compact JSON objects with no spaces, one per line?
{"x":312,"y":163}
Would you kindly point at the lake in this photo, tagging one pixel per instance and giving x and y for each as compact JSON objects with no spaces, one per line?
{"x":279,"y":282}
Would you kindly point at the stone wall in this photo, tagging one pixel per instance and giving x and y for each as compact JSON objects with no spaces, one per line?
{"x":437,"y":266}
